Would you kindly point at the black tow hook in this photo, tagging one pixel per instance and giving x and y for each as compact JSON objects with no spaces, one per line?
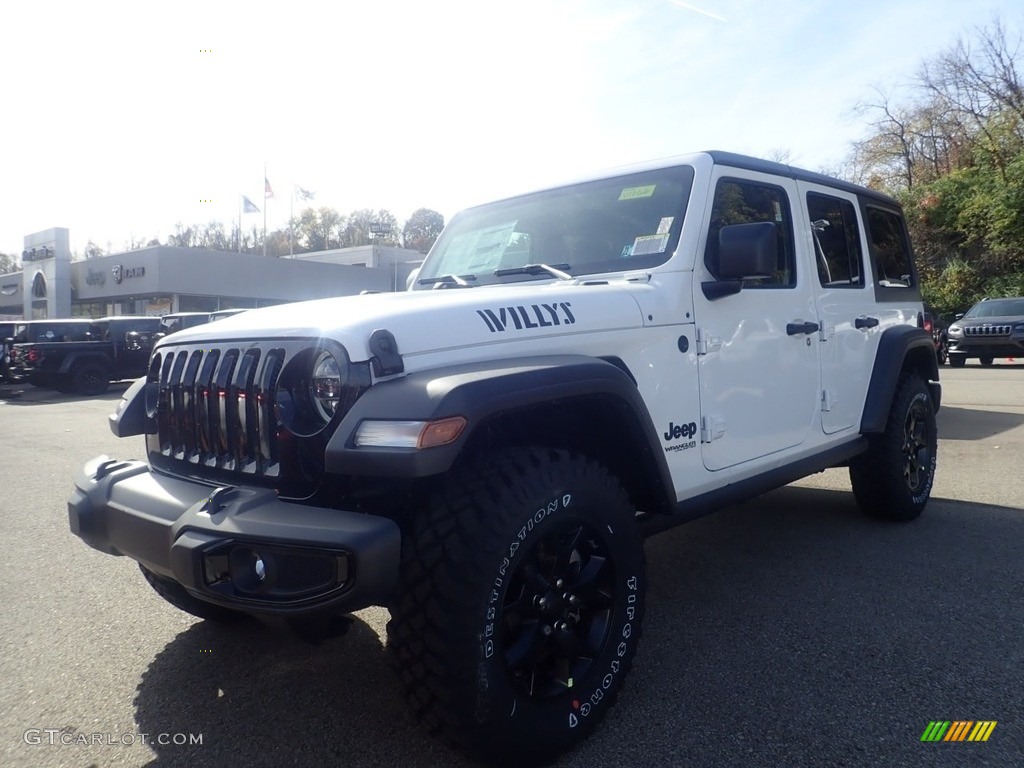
{"x":107,"y":467}
{"x":215,"y":503}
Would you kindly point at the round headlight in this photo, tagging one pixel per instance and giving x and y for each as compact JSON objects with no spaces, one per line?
{"x":325,"y":384}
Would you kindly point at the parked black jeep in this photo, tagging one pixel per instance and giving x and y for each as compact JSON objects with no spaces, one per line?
{"x":39,"y":331}
{"x":113,"y":348}
{"x":7,"y":332}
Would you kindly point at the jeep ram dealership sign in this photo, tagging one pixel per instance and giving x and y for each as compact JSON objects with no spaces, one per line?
{"x":109,"y":276}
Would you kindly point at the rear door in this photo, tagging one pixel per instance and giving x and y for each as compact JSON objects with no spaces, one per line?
{"x":849,"y":329}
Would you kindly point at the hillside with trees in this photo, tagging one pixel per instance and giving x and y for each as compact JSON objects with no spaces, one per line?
{"x":951,"y":149}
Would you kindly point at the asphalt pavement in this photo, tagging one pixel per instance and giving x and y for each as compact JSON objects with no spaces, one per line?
{"x":787,"y":631}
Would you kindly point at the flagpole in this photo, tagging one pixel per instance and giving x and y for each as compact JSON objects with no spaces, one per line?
{"x":265,"y":198}
{"x":291,"y":224}
{"x":239,"y":223}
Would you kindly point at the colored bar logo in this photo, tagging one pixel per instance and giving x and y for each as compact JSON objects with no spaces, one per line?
{"x":958,"y":730}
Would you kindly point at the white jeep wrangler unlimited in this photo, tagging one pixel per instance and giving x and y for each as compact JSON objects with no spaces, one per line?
{"x":484,"y":454}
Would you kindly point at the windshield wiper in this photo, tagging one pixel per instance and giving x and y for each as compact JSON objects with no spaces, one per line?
{"x":460,"y":281}
{"x":537,"y":269}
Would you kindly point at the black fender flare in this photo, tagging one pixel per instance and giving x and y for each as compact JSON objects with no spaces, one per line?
{"x":896,"y":346}
{"x":130,"y":418}
{"x":479,"y":392}
{"x":74,"y":358}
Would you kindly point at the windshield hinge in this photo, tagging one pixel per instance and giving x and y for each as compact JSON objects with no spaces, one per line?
{"x":386,"y":359}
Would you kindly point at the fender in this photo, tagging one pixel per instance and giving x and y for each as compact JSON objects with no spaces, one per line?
{"x":478,"y":392}
{"x":898,"y":344}
{"x":89,"y":356}
{"x":130,"y":418}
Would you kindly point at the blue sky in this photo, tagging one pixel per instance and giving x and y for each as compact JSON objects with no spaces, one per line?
{"x":117,"y":122}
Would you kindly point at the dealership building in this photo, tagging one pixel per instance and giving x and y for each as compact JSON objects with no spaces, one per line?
{"x":161,"y":279}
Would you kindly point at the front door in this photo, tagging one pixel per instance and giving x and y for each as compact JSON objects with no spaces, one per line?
{"x":758,"y":349}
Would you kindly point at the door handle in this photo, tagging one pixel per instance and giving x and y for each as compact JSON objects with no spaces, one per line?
{"x":865,"y":322}
{"x":795,"y":329}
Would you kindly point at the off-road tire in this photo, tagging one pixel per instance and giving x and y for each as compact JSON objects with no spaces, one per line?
{"x":496,"y":654}
{"x":957,"y":361}
{"x":986,"y":360}
{"x":893,"y":479}
{"x":41,"y":380}
{"x":176,"y":595}
{"x":90,"y":379}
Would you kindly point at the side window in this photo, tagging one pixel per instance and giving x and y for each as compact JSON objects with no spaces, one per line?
{"x":890,"y":248}
{"x":748,"y":202}
{"x":837,"y":249}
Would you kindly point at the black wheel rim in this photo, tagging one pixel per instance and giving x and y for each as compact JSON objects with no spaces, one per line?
{"x":557,"y":610}
{"x":916,"y":450}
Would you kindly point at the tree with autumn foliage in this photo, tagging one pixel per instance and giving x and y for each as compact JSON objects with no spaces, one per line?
{"x":952,"y":151}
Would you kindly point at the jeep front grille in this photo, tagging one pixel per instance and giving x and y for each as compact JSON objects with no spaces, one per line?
{"x":215,"y":407}
{"x":988,"y":330}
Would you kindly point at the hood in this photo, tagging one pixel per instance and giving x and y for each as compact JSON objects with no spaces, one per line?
{"x":428,"y":321}
{"x":990,"y":320}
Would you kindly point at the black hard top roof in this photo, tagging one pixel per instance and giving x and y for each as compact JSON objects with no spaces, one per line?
{"x":779,"y":169}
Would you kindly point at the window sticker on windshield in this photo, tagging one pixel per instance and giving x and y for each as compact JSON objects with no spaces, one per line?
{"x":632,"y":193}
{"x":480,"y":249}
{"x":665,"y":225}
{"x":645,"y":245}
{"x":778,"y":210}
{"x":627,"y":251}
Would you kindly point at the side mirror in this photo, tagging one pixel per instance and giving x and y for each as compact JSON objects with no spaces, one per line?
{"x":747,"y":250}
{"x":744,"y":251}
{"x":958,"y":315}
{"x":131,"y":341}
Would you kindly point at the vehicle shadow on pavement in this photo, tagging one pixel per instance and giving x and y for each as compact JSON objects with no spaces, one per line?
{"x":260,"y":696}
{"x":974,"y":423}
{"x":794,"y":630}
{"x":29,"y":395}
{"x":789,"y":630}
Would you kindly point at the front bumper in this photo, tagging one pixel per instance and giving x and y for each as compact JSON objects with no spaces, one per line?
{"x":975,"y":347}
{"x":238,"y":547}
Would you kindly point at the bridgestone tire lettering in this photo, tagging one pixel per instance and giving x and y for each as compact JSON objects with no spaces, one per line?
{"x":519,"y":547}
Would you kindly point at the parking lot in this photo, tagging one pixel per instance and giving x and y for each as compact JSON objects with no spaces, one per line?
{"x":788,"y":631}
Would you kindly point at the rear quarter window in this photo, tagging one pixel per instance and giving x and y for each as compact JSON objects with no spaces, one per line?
{"x":890,"y":249}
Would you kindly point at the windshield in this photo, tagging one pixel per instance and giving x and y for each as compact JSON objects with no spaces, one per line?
{"x":611,"y":225}
{"x":997,"y":308}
